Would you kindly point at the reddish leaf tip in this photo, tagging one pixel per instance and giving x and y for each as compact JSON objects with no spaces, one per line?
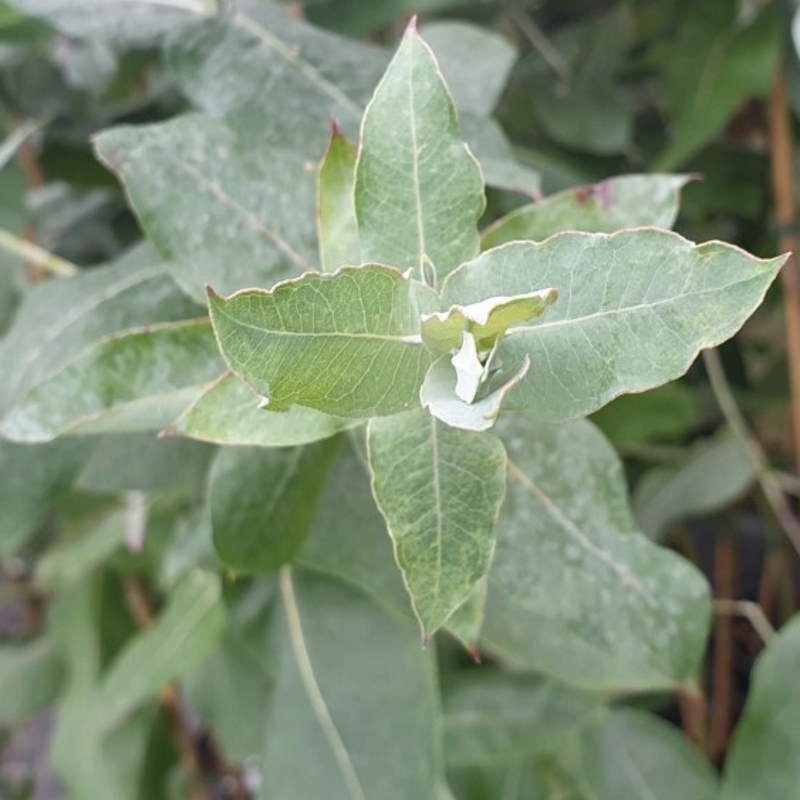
{"x":336,"y":131}
{"x":210,"y":293}
{"x":166,"y":432}
{"x":475,"y":655}
{"x":412,"y":24}
{"x":426,"y":640}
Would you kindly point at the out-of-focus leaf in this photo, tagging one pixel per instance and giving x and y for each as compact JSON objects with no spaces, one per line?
{"x":31,"y":477}
{"x":61,"y":318}
{"x":584,"y":109}
{"x":31,"y":675}
{"x":263,"y":501}
{"x":221,"y":210}
{"x":440,"y":490}
{"x":626,"y":202}
{"x":634,"y":419}
{"x":762,"y":761}
{"x":429,"y":210}
{"x":145,"y":463}
{"x":574,"y":591}
{"x":714,"y":66}
{"x":75,"y":558}
{"x":475,"y":63}
{"x":714,"y":472}
{"x":634,"y":310}
{"x":492,"y":718}
{"x":346,"y":666}
{"x":136,"y":381}
{"x":229,"y":412}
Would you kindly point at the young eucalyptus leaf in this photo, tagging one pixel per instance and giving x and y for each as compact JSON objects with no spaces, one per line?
{"x":339,"y":244}
{"x":346,"y":667}
{"x":136,"y":381}
{"x":439,"y":490}
{"x":574,"y":591}
{"x":487,"y":320}
{"x":220,"y":209}
{"x":762,"y":761}
{"x":628,"y":201}
{"x":229,"y":412}
{"x":263,"y":501}
{"x":439,"y":394}
{"x":31,"y":675}
{"x":466,"y":622}
{"x":429,"y":184}
{"x":635,"y":309}
{"x":345,"y":343}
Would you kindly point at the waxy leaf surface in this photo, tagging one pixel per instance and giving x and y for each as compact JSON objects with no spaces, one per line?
{"x":574,"y":591}
{"x":635,"y":308}
{"x":346,"y":343}
{"x":419,"y":191}
{"x":440,"y":490}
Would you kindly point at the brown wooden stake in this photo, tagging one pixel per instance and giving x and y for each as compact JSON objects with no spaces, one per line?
{"x":722,"y":684}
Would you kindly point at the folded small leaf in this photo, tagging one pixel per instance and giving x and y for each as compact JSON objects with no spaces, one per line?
{"x":635,"y":309}
{"x":574,"y":591}
{"x":628,"y":201}
{"x":263,"y":501}
{"x":468,"y":367}
{"x":439,"y":490}
{"x":346,"y":344}
{"x":419,"y":191}
{"x":346,"y":667}
{"x":762,"y":761}
{"x":486,"y":320}
{"x":336,"y":214}
{"x":439,"y":395}
{"x":135,"y":381}
{"x":228,"y":412}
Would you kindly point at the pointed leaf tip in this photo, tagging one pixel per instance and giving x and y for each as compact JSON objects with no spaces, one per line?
{"x":336,"y":131}
{"x":426,"y":640}
{"x":210,"y":293}
{"x":412,"y":24}
{"x":475,"y":655}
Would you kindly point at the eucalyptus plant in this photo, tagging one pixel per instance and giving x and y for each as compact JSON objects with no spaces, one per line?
{"x":362,"y":413}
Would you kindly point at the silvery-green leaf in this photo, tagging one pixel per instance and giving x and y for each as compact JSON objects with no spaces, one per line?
{"x":183,"y":635}
{"x":493,"y":718}
{"x":762,"y":761}
{"x":222,"y":207}
{"x":713,"y":474}
{"x":59,"y":319}
{"x":31,"y":675}
{"x":633,"y":754}
{"x":345,"y":343}
{"x":247,"y":65}
{"x":336,"y":214}
{"x":346,"y":668}
{"x":135,"y":381}
{"x":474,"y":61}
{"x":635,"y":309}
{"x":439,"y":490}
{"x":129,"y":23}
{"x":263,"y":501}
{"x":419,"y":191}
{"x":228,"y":412}
{"x":438,"y":394}
{"x":628,"y":201}
{"x":574,"y":591}
{"x":487,"y":320}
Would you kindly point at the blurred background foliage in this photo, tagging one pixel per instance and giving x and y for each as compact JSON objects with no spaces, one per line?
{"x":594,"y":88}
